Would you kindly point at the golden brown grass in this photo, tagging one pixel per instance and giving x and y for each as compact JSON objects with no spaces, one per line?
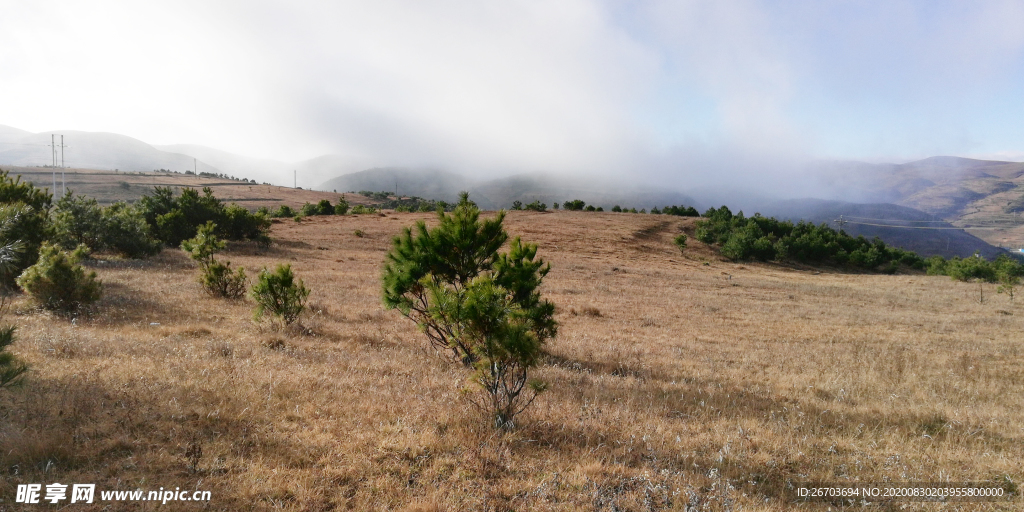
{"x":675,"y":380}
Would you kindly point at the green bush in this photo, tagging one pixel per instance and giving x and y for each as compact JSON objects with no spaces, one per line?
{"x":176,"y":219}
{"x":536,"y":206}
{"x":341,"y":208}
{"x":278,"y":294}
{"x":125,"y":232}
{"x":324,"y":207}
{"x":217,"y":278}
{"x":57,"y":282}
{"x":769,"y":239}
{"x":680,"y":242}
{"x":481,"y":305}
{"x":574,"y":205}
{"x":284,"y":212}
{"x":77,"y":220}
{"x":309,"y":209}
{"x":240,"y":224}
{"x":360,"y":209}
{"x":119,"y":228}
{"x":26,"y":221}
{"x":11,"y":369}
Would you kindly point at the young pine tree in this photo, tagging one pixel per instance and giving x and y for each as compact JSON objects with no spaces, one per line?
{"x":217,"y":278}
{"x":481,"y":305}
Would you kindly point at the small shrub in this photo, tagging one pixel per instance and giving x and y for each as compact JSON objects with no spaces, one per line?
{"x":278,"y":293}
{"x":680,"y":242}
{"x":77,"y":220}
{"x":359,"y":233}
{"x":284,"y":211}
{"x":220,"y":281}
{"x":309,"y":209}
{"x":57,"y":282}
{"x":217,"y":278}
{"x":125,"y":232}
{"x":25,"y":218}
{"x":11,"y":369}
{"x":341,"y":208}
{"x":324,"y":207}
{"x":536,"y":206}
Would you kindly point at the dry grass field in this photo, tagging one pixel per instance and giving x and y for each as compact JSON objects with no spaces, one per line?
{"x":677,"y":382}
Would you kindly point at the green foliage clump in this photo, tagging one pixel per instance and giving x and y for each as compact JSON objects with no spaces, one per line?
{"x":536,"y":206}
{"x":769,"y":239}
{"x":77,"y":220}
{"x":125,"y":232}
{"x":361,"y":209}
{"x":278,"y":294}
{"x":119,"y":228}
{"x":26,"y":220}
{"x":680,"y":242}
{"x":481,"y":305}
{"x":575,"y":205}
{"x":176,"y":219}
{"x":57,"y":281}
{"x":616,"y":208}
{"x":12,"y":370}
{"x":341,"y":207}
{"x":216,"y":277}
{"x":680,"y":211}
{"x":284,"y":211}
{"x":517,"y":205}
{"x":309,"y":209}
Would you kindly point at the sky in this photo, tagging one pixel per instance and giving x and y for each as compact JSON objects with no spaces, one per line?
{"x":648,"y":89}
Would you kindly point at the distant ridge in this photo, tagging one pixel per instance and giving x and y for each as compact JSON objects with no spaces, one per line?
{"x":426,"y":183}
{"x":867,"y":220}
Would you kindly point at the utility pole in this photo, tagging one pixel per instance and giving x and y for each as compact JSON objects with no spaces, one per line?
{"x":53,"y":163}
{"x":63,"y":182}
{"x":195,"y":167}
{"x":295,"y":178}
{"x":841,"y":222}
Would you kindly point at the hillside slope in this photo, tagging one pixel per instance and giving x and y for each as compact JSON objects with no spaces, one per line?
{"x":897,"y":225}
{"x":110,"y":186}
{"x":676,"y":381}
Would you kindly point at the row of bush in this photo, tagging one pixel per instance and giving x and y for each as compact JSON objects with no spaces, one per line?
{"x":769,"y":239}
{"x":175,"y":219}
{"x":276,"y":293}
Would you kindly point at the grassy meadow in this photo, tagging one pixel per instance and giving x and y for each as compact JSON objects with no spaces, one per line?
{"x":677,"y":382}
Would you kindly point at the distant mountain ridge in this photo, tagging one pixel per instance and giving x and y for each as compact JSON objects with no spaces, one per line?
{"x":897,"y":225}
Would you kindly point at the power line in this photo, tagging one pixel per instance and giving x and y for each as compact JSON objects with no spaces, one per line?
{"x":929,"y":227}
{"x":892,"y":220}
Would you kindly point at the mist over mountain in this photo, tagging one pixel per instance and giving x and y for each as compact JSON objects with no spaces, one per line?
{"x":960,"y":191}
{"x":425,"y":183}
{"x":261,"y":170}
{"x":93,"y":150}
{"x":896,"y":225}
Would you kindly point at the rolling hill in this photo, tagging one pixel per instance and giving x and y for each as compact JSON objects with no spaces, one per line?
{"x":897,"y":225}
